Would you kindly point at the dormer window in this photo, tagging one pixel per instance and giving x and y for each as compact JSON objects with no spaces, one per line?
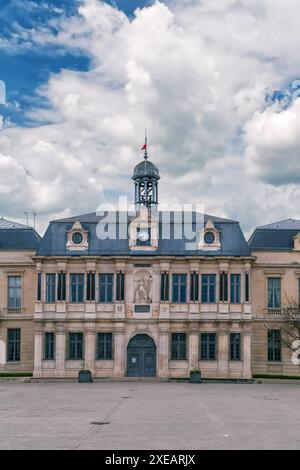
{"x":143,"y":231}
{"x":209,"y":237}
{"x":77,"y":238}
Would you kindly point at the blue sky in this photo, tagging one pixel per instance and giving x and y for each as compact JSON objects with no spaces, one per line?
{"x":210,"y":79}
{"x":24,"y":70}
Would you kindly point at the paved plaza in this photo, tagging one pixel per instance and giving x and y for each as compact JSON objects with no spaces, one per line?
{"x":149,"y":415}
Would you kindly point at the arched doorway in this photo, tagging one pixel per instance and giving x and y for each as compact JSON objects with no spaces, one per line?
{"x":141,"y":357}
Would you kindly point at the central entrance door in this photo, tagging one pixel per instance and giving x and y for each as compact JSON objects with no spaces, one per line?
{"x":141,"y":357}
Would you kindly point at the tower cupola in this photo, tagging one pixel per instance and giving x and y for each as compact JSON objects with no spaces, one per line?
{"x":145,"y":177}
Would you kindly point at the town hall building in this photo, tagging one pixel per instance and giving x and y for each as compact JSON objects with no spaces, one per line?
{"x":135,"y":294}
{"x":144,"y":304}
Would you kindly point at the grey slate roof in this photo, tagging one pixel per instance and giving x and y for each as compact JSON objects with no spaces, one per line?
{"x":278,"y":236}
{"x":53,"y":243}
{"x":4,"y":223}
{"x":287,"y":224}
{"x":145,"y":168}
{"x":14,"y":236}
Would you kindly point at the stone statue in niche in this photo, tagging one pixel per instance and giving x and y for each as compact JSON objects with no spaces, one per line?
{"x":142,"y":291}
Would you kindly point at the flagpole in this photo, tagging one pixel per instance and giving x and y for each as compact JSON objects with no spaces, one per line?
{"x":146,"y":145}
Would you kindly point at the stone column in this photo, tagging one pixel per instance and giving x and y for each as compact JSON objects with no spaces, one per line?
{"x":156,"y":286}
{"x":188,"y":287}
{"x":163,"y":351}
{"x":67,"y":287}
{"x":60,"y":352}
{"x":119,"y":351}
{"x":193,"y":347}
{"x":38,"y":351}
{"x":43,"y":290}
{"x":2,"y":352}
{"x":223,"y":350}
{"x":247,"y":353}
{"x":129,"y":291}
{"x":89,"y":348}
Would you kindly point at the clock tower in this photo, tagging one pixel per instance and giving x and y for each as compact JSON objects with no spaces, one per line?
{"x":145,"y":177}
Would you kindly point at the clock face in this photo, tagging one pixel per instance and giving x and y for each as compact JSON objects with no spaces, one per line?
{"x":143,"y":235}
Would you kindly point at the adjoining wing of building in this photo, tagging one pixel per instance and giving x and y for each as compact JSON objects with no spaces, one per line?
{"x":153,"y":299}
{"x":275,"y":286}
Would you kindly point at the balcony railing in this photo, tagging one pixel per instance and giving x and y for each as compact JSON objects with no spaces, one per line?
{"x":274,"y":311}
{"x":14,"y":310}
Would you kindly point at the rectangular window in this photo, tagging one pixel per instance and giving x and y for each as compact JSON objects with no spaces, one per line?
{"x":49,"y":346}
{"x":235,"y":288}
{"x":106,"y":282}
{"x":208,"y":346}
{"x":76,"y":288}
{"x":235,"y":346}
{"x":194,"y":287}
{"x":61,"y":286}
{"x":208,"y":288}
{"x":75,"y":346}
{"x":13,"y":344}
{"x":120,"y":287}
{"x":274,"y":292}
{"x":164,"y":287}
{"x":39,"y":287}
{"x":274,"y":345}
{"x":90,"y":286}
{"x":223,"y":287}
{"x":104,"y":346}
{"x":50,"y":288}
{"x":14,"y":292}
{"x":179,"y":288}
{"x":247,"y":287}
{"x":178,"y":346}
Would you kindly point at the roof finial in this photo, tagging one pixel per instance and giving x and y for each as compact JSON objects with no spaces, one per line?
{"x":145,"y":146}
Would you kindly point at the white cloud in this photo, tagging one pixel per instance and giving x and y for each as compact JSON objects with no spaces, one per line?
{"x":195,"y":74}
{"x":273,"y":150}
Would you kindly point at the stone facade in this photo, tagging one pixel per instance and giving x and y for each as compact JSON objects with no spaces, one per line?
{"x":146,"y":305}
{"x":124,"y":322}
{"x":17,"y":264}
{"x":268,"y":265}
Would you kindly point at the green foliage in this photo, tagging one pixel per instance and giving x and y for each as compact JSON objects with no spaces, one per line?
{"x":15,"y":374}
{"x":273,"y":376}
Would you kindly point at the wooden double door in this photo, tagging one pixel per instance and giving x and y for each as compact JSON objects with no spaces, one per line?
{"x":141,"y":357}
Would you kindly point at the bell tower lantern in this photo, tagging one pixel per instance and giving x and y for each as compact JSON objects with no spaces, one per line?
{"x":145,"y":177}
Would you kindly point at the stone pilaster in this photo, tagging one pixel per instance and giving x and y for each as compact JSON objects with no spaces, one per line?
{"x":129,"y":288}
{"x":38,"y":351}
{"x":247,"y":353}
{"x":223,"y":350}
{"x":156,"y":286}
{"x":119,"y":351}
{"x":193,"y":347}
{"x":163,"y":351}
{"x":90,"y":346}
{"x":60,"y":351}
